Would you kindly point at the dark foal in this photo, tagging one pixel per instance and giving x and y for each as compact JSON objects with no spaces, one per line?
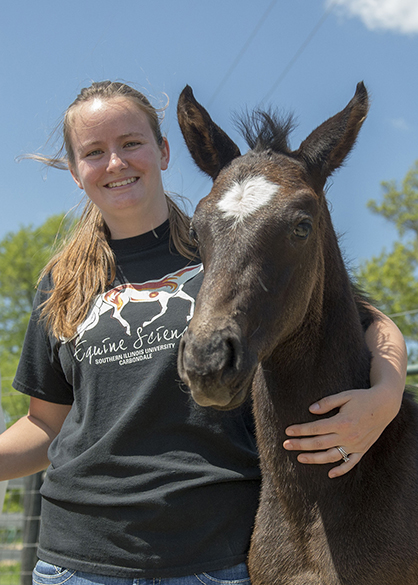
{"x":277,"y":315}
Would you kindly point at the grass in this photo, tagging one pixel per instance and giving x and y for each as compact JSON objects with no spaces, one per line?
{"x":13,"y":502}
{"x":9,"y":573}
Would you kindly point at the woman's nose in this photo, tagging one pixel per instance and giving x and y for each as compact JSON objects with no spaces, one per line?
{"x":116,"y":162}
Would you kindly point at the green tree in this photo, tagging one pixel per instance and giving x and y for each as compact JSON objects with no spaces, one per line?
{"x":23,"y":254}
{"x":392,"y":277}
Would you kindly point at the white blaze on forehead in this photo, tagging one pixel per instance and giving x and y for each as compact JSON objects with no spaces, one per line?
{"x":244,"y":199}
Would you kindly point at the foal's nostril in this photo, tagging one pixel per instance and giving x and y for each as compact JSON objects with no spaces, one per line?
{"x":217,"y":356}
{"x":230,"y":363}
{"x":233,"y":354}
{"x":213,"y":357}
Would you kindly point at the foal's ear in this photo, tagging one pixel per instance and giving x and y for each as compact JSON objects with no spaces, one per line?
{"x":326,"y":147}
{"x":209,"y":146}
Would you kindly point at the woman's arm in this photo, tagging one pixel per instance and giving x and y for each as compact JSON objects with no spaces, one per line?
{"x":24,"y":446}
{"x":363,"y":414}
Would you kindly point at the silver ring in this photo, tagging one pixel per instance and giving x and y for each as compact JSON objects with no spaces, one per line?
{"x":344,"y":454}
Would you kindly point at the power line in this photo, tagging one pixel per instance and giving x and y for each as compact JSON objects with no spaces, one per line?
{"x":242,"y":51}
{"x":299,"y":51}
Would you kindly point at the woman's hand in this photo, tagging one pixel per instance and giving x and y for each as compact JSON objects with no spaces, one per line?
{"x":363,"y":414}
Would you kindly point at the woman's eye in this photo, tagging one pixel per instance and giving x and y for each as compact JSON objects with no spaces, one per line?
{"x":303,"y":229}
{"x":94,"y":153}
{"x":132,"y":144}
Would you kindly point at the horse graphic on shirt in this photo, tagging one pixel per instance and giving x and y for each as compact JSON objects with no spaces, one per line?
{"x":160,"y":291}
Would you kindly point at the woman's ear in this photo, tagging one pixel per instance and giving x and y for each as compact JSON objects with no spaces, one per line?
{"x":75,"y":176}
{"x":165,"y":154}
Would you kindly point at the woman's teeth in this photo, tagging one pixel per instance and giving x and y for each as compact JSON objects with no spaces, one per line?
{"x":122,"y":183}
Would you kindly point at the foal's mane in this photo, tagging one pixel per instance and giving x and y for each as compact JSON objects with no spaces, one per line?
{"x":266,"y":129}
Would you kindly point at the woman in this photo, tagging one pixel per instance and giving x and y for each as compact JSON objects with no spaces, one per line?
{"x":143,"y":483}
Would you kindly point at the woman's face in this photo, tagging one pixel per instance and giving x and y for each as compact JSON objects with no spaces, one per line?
{"x":118,"y":163}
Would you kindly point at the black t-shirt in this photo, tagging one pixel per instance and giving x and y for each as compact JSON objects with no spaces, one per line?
{"x":143,"y":482}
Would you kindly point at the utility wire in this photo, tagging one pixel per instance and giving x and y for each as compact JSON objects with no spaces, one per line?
{"x":242,"y":52}
{"x":299,"y":51}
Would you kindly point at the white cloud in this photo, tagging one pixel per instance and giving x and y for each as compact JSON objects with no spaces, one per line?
{"x":400,"y":124}
{"x":396,"y":15}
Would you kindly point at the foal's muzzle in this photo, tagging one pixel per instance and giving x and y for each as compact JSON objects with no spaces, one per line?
{"x":216,"y":366}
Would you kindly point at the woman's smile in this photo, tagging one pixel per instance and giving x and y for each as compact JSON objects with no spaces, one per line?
{"x":122,"y":183}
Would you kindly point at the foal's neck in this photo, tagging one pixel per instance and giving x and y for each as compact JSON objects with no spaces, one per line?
{"x":328,"y":353}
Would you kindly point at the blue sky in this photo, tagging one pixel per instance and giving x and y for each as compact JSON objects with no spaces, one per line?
{"x":303,"y":56}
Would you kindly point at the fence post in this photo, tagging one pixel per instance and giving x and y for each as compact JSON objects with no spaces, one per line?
{"x":412,"y":370}
{"x":32,"y":513}
{"x":3,"y":484}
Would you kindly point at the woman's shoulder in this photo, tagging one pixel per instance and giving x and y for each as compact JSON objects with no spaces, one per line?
{"x":43,"y":288}
{"x":46,"y":282}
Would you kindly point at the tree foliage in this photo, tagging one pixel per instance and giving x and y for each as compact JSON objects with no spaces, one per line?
{"x":392,"y":277}
{"x":23,"y":254}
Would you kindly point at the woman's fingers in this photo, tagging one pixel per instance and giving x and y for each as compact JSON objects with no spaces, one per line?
{"x":360,"y":419}
{"x":331,"y":455}
{"x":353,"y":459}
{"x":352,"y":427}
{"x":330,"y":402}
{"x":319,"y":427}
{"x":314,"y":443}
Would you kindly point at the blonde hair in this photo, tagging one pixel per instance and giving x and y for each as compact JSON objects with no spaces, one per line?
{"x":85,"y":266}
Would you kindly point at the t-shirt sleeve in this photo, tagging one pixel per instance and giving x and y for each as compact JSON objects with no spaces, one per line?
{"x":39,"y":373}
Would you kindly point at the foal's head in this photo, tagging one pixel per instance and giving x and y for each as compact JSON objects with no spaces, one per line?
{"x":261,"y":233}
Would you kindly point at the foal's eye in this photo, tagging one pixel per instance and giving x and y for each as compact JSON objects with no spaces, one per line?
{"x":303,"y":229}
{"x":193,"y":236}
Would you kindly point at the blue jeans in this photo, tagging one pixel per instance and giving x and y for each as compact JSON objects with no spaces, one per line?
{"x":46,"y":574}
